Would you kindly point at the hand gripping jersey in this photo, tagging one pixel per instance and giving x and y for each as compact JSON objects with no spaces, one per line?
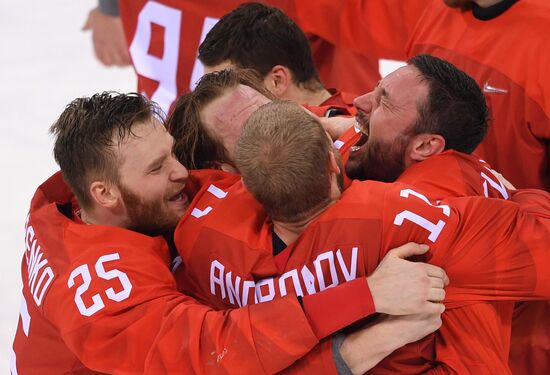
{"x":455,"y":174}
{"x":102,"y":299}
{"x":488,"y":257}
{"x":516,"y":84}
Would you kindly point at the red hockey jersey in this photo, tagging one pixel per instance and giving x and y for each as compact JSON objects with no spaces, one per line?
{"x":232,"y":265}
{"x":102,"y":299}
{"x":515,"y":84}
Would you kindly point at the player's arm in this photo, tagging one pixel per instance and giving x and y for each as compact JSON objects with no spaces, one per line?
{"x":358,"y":352}
{"x":532,"y":201}
{"x":107,"y":34}
{"x":399,"y":286}
{"x":122,"y":311}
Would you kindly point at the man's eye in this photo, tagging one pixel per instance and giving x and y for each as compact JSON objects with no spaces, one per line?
{"x":156,"y":169}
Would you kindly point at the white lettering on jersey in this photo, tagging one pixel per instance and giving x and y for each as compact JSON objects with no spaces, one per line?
{"x":216,"y":278}
{"x":215,"y":191}
{"x":434,"y":228}
{"x":13,"y":363}
{"x":498,"y":185}
{"x":198,"y":68}
{"x":328,"y":257}
{"x":40,"y":276}
{"x":324,"y":272}
{"x":176,"y":263}
{"x":25,"y":316}
{"x":293,"y":275}
{"x":163,"y":69}
{"x":265,"y":290}
{"x":338,"y":144}
{"x":84,"y":272}
{"x":233,"y":289}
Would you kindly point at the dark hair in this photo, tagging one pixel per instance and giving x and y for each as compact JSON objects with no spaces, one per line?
{"x":455,"y":109}
{"x":88,"y":132}
{"x":259,"y":37}
{"x":194,"y":146}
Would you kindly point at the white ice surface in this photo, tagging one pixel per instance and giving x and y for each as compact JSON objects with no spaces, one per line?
{"x":45,"y":62}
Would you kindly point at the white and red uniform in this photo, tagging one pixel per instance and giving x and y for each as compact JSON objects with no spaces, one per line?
{"x":516,"y":84}
{"x":487,"y":257}
{"x":164,"y":37}
{"x":102,"y":299}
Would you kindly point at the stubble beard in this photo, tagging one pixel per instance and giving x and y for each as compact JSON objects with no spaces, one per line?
{"x":151,"y":218}
{"x":381,"y":162}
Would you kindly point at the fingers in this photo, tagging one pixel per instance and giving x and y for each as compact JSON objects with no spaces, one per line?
{"x":88,"y":25}
{"x":436,"y":294}
{"x":437,"y":282}
{"x":433,"y":308}
{"x":89,"y":21}
{"x":408,"y":250}
{"x":435,"y":271}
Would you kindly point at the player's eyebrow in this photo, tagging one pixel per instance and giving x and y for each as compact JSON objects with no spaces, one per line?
{"x":382,"y":89}
{"x":153,"y":164}
{"x":161,"y":158}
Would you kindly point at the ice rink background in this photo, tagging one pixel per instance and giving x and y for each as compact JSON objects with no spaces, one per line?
{"x":45,"y":62}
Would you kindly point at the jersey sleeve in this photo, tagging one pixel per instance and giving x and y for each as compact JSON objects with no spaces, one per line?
{"x":119,"y":311}
{"x":490,"y":248}
{"x":534,"y":201}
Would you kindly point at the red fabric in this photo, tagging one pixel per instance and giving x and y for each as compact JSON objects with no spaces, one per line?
{"x":342,"y":101}
{"x":484,"y":257}
{"x":373,"y":28}
{"x":530,"y":350}
{"x":164,"y":52}
{"x":343,"y":144}
{"x":454,"y":174}
{"x":517,"y":142}
{"x":325,"y":309}
{"x":130,"y":318}
{"x":342,"y":68}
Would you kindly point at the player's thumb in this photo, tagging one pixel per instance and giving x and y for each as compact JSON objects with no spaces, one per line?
{"x":410,"y":249}
{"x":88,"y":24}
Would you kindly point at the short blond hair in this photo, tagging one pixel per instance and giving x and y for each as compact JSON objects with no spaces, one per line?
{"x":283,"y":156}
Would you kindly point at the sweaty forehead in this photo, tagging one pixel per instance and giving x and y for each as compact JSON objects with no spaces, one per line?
{"x":404,"y":85}
{"x":236,"y":104}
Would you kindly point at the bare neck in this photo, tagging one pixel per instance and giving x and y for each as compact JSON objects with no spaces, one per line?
{"x":289,"y":232}
{"x":304,"y":96}
{"x":101,"y":217}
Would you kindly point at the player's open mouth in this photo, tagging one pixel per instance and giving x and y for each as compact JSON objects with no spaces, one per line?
{"x":179,"y":197}
{"x":362,"y":128}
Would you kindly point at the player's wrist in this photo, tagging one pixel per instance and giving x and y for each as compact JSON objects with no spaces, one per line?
{"x":379,"y":302}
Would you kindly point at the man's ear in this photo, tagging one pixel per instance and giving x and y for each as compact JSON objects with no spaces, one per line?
{"x":105,"y":194}
{"x":278,"y":80}
{"x":226,"y":167}
{"x":333,"y":165}
{"x":422,"y":146}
